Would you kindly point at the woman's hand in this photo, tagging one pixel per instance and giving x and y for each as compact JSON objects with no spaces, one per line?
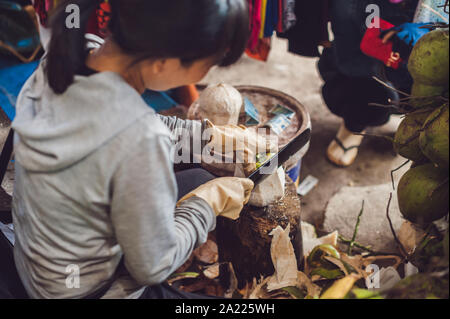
{"x":230,"y":145}
{"x":226,"y":196}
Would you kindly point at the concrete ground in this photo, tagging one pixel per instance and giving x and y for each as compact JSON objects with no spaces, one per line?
{"x":298,"y":77}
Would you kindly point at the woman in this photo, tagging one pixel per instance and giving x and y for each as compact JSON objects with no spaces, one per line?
{"x":95,"y":200}
{"x":347,"y":72}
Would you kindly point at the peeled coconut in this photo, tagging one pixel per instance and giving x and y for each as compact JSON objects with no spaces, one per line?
{"x":423,"y":194}
{"x":270,"y":190}
{"x":428,"y":65}
{"x":434,"y":140}
{"x":406,"y":142}
{"x":221,"y":104}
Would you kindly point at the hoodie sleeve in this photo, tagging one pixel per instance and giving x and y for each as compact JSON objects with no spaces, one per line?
{"x":155,"y":236}
{"x":186,"y":135}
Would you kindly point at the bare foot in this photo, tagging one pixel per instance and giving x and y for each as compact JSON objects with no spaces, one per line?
{"x":344,"y":149}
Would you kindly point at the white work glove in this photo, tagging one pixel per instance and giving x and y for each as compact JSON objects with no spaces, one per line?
{"x":226,"y":196}
{"x":230,"y":145}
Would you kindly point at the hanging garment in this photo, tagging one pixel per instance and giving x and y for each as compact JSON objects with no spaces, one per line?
{"x":289,"y":17}
{"x":271,"y":20}
{"x":262,"y":50}
{"x":43,"y":7}
{"x":255,"y":24}
{"x":280,"y":16}
{"x":310,"y":28}
{"x":263,"y":18}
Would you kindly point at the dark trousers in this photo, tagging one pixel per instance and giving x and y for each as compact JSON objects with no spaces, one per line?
{"x":347,"y":71}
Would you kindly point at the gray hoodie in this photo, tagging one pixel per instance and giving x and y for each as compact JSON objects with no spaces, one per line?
{"x":94,"y":186}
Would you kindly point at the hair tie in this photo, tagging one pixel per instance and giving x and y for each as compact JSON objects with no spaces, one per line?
{"x":104,"y":13}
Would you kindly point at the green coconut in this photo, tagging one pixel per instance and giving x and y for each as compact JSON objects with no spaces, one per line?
{"x":406,"y":141}
{"x":423,"y":194}
{"x":434,"y":139}
{"x":428,"y":65}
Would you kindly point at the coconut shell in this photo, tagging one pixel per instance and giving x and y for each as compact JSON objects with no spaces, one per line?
{"x":429,"y":60}
{"x":406,"y":142}
{"x":428,"y":65}
{"x":434,"y":140}
{"x":221,"y":104}
{"x":423,"y":194}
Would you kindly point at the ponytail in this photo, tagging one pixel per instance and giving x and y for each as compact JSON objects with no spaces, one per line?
{"x":145,"y":29}
{"x":67,"y":51}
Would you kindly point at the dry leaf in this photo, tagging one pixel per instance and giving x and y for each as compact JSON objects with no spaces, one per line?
{"x":258,"y":291}
{"x":310,"y":243}
{"x":308,"y":231}
{"x":284,"y":260}
{"x":212,"y":272}
{"x":245,"y":292}
{"x":304,"y":282}
{"x":228,"y":279}
{"x":341,"y":287}
{"x":357,"y":263}
{"x":410,"y":236}
{"x":338,"y":263}
{"x":214,"y":289}
{"x":197,"y":286}
{"x":207,"y":253}
{"x":394,"y":261}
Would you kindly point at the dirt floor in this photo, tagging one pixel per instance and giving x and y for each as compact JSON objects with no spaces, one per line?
{"x":298,"y":77}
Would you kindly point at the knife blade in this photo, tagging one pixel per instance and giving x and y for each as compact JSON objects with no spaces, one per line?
{"x":282,"y":156}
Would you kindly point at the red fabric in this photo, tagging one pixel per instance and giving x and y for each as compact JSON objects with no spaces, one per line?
{"x":92,"y":26}
{"x":103,"y":17}
{"x":280,"y":16}
{"x":255,"y":25}
{"x":98,"y":23}
{"x":373,"y":46}
{"x":262,"y":50}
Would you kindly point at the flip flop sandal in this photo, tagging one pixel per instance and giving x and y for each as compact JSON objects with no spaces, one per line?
{"x":346,"y":149}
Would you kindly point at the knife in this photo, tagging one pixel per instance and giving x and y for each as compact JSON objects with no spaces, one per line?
{"x":282,"y":156}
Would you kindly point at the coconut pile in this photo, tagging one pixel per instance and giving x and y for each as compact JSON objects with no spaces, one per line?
{"x":423,"y":136}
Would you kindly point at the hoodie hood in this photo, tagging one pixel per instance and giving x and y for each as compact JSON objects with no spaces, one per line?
{"x":54,"y":132}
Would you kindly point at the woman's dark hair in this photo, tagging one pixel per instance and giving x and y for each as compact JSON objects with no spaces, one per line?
{"x":186,"y":29}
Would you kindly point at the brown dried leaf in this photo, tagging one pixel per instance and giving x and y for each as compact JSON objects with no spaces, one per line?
{"x":310,"y":243}
{"x":214,"y":289}
{"x":388,"y":260}
{"x":284,"y":260}
{"x":207,"y":253}
{"x":197,"y":286}
{"x":227,"y":272}
{"x":357,"y":262}
{"x":304,"y":282}
{"x":410,"y":236}
{"x":212,"y":272}
{"x":258,"y":291}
